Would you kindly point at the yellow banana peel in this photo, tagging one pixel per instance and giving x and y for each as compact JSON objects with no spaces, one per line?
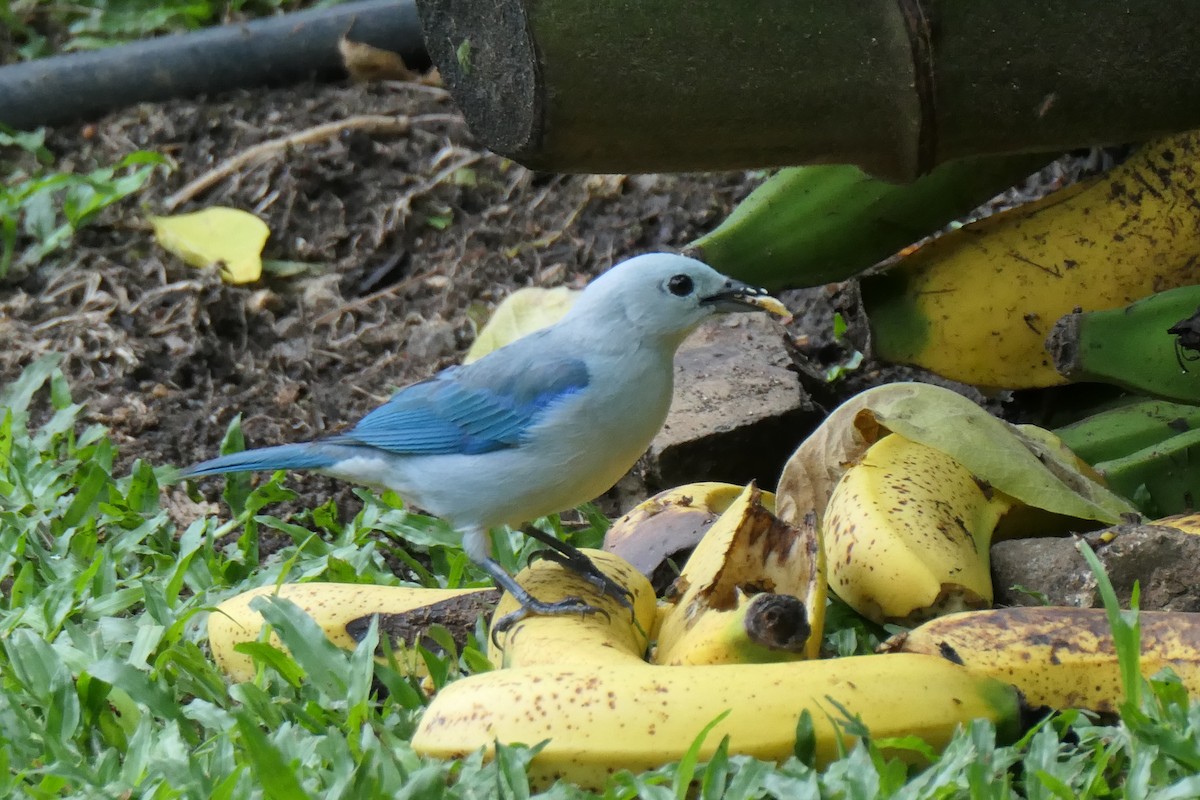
{"x":409,"y":610}
{"x":612,"y":635}
{"x":669,"y":522}
{"x":747,"y":551}
{"x":1058,"y":657}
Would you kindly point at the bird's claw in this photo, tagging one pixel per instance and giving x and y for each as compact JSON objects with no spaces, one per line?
{"x":567,"y":605}
{"x":593,"y":574}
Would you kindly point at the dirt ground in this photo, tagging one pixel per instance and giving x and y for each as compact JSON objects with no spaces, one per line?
{"x":410,"y":240}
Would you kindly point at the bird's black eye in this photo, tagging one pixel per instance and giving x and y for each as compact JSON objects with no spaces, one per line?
{"x":680,"y":285}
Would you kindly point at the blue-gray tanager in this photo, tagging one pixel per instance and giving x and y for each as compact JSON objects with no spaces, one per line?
{"x":543,"y":424}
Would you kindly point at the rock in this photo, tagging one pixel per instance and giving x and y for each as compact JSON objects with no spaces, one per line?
{"x":1164,"y":561}
{"x":738,"y":411}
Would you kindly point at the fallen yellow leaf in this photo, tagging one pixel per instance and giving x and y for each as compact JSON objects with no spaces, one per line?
{"x":228,"y":237}
{"x":522,"y":312}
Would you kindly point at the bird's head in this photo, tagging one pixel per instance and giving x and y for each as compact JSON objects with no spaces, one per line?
{"x":665,"y":296}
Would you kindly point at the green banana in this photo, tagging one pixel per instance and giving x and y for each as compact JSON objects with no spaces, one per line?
{"x":1130,"y":347}
{"x":976,"y":304}
{"x":807,"y":226}
{"x":1118,"y":432}
{"x":1163,"y":478}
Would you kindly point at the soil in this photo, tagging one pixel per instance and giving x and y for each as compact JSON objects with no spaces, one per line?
{"x":408,"y":241}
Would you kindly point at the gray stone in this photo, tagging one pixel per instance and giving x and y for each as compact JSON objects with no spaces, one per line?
{"x":738,"y":411}
{"x":1164,"y":561}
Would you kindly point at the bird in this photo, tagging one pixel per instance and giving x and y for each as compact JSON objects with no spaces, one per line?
{"x":547,"y":422}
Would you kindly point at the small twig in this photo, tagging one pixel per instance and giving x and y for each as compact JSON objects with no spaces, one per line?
{"x":374,"y":123}
{"x":400,"y":207}
{"x":367,"y":299}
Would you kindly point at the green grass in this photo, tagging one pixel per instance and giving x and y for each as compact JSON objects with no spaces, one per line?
{"x":107,"y":688}
{"x":42,"y":208}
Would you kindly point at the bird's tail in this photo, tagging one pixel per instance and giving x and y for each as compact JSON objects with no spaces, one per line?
{"x":306,"y":455}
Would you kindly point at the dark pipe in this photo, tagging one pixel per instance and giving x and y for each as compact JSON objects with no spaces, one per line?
{"x":272,"y":51}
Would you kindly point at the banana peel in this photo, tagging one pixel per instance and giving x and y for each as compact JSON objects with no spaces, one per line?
{"x":748,"y":551}
{"x":671,"y":522}
{"x":610,"y":635}
{"x":1058,"y":657}
{"x":343,"y":610}
{"x":907,"y":534}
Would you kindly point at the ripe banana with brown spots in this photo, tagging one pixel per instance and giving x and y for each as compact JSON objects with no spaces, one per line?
{"x":976,"y":304}
{"x":343,"y":610}
{"x":579,"y":686}
{"x":606,"y":636}
{"x":907,"y":532}
{"x":712,"y":616}
{"x":1058,"y":657}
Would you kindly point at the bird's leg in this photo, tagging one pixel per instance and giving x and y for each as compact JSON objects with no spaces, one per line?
{"x":570,"y":557}
{"x":478,"y":548}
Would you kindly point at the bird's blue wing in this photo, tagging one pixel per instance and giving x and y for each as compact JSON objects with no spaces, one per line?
{"x":478,"y":408}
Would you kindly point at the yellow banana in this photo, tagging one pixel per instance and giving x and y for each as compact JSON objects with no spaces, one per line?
{"x":747,"y":551}
{"x":1058,"y":657}
{"x":670,"y":522}
{"x":1186,"y":523}
{"x":977,"y":304}
{"x":597,"y":720}
{"x":907,"y":532}
{"x":406,"y":611}
{"x":609,"y":636}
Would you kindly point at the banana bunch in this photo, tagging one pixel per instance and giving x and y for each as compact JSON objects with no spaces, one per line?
{"x":605,"y":708}
{"x":1058,"y":657}
{"x":1146,"y":450}
{"x":977,"y":304}
{"x":911,"y":483}
{"x":344,"y":610}
{"x":807,"y":226}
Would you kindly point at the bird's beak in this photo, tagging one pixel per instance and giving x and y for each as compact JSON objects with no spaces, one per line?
{"x":737,"y":296}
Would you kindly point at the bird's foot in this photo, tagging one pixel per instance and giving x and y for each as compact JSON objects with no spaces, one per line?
{"x":531,"y":606}
{"x":583,"y":566}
